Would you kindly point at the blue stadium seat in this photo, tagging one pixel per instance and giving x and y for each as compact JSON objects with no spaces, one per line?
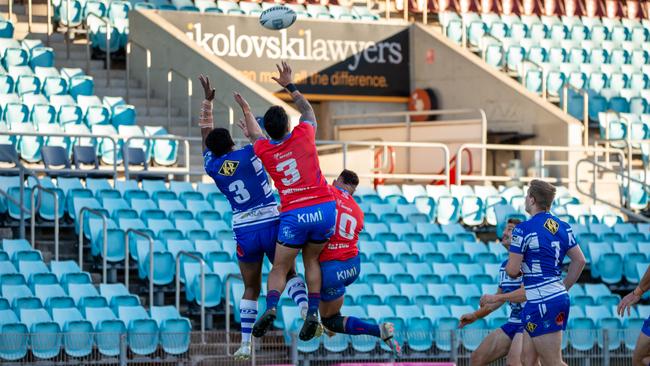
{"x":142,"y":331}
{"x":174,"y":329}
{"x":582,"y":334}
{"x":13,"y":335}
{"x":77,"y":337}
{"x":45,"y":337}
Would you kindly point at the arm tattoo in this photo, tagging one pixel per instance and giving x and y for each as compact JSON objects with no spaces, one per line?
{"x":304,"y":107}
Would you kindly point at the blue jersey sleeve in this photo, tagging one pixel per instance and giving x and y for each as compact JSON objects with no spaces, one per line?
{"x":517,"y":245}
{"x":571,"y":239}
{"x":208,"y":161}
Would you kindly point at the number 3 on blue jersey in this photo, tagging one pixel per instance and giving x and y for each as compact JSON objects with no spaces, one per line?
{"x":241,"y":194}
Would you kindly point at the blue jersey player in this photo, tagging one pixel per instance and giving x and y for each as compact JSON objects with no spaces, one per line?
{"x":240,"y":176}
{"x":537,"y":251}
{"x":508,"y":339}
{"x":641,"y":355}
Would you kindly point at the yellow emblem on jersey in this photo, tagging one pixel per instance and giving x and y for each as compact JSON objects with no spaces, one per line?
{"x":228,"y":168}
{"x":551,"y":226}
{"x":531,"y":327}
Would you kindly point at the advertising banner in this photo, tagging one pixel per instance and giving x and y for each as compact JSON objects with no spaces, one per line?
{"x":329,"y":58}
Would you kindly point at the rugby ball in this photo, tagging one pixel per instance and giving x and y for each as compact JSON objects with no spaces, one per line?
{"x":277,"y":17}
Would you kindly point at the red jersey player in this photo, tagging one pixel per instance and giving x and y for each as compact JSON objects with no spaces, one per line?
{"x":308,"y":209}
{"x":340,"y":265}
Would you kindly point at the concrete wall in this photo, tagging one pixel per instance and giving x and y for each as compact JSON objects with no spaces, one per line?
{"x":170,"y":48}
{"x":462,"y":80}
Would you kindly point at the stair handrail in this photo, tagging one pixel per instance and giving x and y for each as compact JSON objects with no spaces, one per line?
{"x":594,"y":197}
{"x":147,"y":74}
{"x":22,"y":172}
{"x":585,"y":117}
{"x":126,"y":259}
{"x":53,"y":192}
{"x":102,"y":216}
{"x":170,"y":76}
{"x":202,"y":283}
{"x":109,"y":30}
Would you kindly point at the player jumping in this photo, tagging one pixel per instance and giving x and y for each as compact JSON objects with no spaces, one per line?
{"x":308,"y":207}
{"x":641,"y":355}
{"x":507,"y":340}
{"x":239,"y":175}
{"x":538,"y":248}
{"x":340,"y":265}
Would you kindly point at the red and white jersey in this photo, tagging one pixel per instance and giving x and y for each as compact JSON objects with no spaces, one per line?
{"x":294,"y":167}
{"x":349,"y":223}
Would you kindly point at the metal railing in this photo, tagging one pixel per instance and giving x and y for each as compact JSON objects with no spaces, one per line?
{"x":520,"y":148}
{"x":109,"y":30}
{"x":147,"y":74}
{"x":20,"y":204}
{"x":597,"y":168}
{"x":170,"y":78}
{"x":54,"y":193}
{"x":585,"y":117}
{"x":79,"y":136}
{"x":81,"y":217}
{"x":202,"y":284}
{"x":126,"y":259}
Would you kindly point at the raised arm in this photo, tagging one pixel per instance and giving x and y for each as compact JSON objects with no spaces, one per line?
{"x":634,"y":296}
{"x":249,"y":126}
{"x":482,"y":312}
{"x":286,"y":81}
{"x":576,"y":266}
{"x":206,"y":122}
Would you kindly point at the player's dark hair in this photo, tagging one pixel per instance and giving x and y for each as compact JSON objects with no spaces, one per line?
{"x":349,"y":177}
{"x":276,"y":122}
{"x":514,"y":221}
{"x":543,"y":193}
{"x":219,"y":141}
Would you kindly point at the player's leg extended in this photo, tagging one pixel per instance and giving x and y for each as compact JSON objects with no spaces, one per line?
{"x":313,"y":275}
{"x":493,"y":347}
{"x":252,"y":276}
{"x":283,"y":262}
{"x":529,"y":356}
{"x":549,"y":348}
{"x":641,"y":355}
{"x":514,"y":356}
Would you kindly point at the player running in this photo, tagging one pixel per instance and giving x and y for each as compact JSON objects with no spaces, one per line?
{"x":340,"y":265}
{"x":507,"y":340}
{"x":538,"y":248}
{"x":641,"y":355}
{"x":239,"y":175}
{"x":308,"y":207}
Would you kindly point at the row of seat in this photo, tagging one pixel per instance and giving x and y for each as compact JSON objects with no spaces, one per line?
{"x":45,"y":80}
{"x":57,"y":307}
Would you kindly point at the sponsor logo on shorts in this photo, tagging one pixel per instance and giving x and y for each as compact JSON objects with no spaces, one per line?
{"x":546,"y":324}
{"x":345,"y":274}
{"x":559,"y":319}
{"x":531,"y":326}
{"x":287,"y":233}
{"x":310,"y":217}
{"x":228,"y":168}
{"x":331,"y":291}
{"x":551,"y":225}
{"x":240,"y":251}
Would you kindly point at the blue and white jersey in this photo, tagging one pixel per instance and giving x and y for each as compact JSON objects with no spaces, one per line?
{"x":240,"y":176}
{"x":543,"y":240}
{"x":508,"y":284}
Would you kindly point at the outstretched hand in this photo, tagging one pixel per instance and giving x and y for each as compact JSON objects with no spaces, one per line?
{"x":207,"y":89}
{"x":242,"y":125}
{"x":286,"y":75}
{"x":243,"y":104}
{"x":488,"y":300}
{"x":626,"y":304}
{"x":467,"y":319}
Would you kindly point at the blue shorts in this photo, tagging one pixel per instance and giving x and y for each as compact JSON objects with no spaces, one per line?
{"x":253,"y":244}
{"x":546,"y":317}
{"x":646,"y":327}
{"x":312,"y":224}
{"x":511,"y":329}
{"x":336,"y":275}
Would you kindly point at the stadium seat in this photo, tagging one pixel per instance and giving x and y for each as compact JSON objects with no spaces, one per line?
{"x":174,"y":329}
{"x":142,"y":331}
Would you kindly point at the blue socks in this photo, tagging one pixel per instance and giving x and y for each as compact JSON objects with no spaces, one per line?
{"x":272,"y":299}
{"x":313,"y":299}
{"x":356,"y":326}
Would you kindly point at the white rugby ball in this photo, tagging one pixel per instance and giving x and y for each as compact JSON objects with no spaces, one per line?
{"x":277,"y":17}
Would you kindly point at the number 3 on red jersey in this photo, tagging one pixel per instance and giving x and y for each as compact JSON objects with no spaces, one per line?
{"x":290,"y":169}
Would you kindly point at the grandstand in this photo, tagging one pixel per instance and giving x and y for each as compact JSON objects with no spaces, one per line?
{"x":107,"y":218}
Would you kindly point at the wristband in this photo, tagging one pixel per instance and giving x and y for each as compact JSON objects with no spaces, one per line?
{"x":291,"y":87}
{"x":205,"y":117}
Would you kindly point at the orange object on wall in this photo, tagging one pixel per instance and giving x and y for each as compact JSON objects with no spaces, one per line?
{"x":419,"y":100}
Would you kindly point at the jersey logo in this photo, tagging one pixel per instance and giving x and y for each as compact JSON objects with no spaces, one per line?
{"x":551,"y":226}
{"x":228,"y":168}
{"x":559,"y":319}
{"x":531,"y":327}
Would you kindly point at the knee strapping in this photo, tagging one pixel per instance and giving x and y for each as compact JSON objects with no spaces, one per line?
{"x":335,"y":323}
